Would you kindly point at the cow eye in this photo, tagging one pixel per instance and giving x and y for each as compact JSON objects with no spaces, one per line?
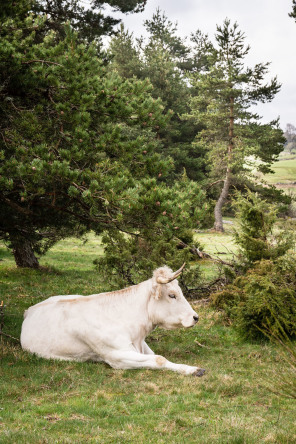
{"x":173,"y":296}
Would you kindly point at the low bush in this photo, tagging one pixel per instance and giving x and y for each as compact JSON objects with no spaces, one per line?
{"x":167,"y":218}
{"x":263,"y":298}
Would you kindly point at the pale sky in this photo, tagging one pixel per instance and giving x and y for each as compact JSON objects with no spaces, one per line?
{"x":269,"y":31}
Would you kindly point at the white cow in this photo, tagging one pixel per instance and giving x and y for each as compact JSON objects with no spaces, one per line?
{"x":111,"y":327}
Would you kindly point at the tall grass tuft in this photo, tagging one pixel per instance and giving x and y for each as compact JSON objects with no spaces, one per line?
{"x":284,"y":383}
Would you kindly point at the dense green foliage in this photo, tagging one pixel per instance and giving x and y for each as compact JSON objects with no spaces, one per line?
{"x":80,"y":148}
{"x":131,"y":258}
{"x":263,"y":300}
{"x":75,"y":139}
{"x":87,"y":18}
{"x":257,"y":236}
{"x":263,"y":295}
{"x":164,"y":59}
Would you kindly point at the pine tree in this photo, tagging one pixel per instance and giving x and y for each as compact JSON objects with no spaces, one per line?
{"x":87,"y":18}
{"x":293,"y":13}
{"x":233,"y":134}
{"x":290,"y":135}
{"x":256,"y":235}
{"x":124,"y":55}
{"x":74,"y":139}
{"x":164,"y":59}
{"x":79,"y":150}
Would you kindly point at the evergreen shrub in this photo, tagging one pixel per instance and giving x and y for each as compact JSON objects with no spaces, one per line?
{"x":257,"y":235}
{"x":164,"y":237}
{"x":263,"y":298}
{"x":261,"y":295}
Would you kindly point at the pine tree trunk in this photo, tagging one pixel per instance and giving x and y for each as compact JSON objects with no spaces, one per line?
{"x":23,"y":253}
{"x":218,"y":226}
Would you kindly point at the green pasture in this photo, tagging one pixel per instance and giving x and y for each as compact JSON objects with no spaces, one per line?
{"x":47,"y":401}
{"x":284,"y":172}
{"x":218,"y":246}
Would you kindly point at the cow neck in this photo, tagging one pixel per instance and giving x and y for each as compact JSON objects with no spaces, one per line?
{"x":133,"y":302}
{"x":140,"y":315}
{"x":151,"y":301}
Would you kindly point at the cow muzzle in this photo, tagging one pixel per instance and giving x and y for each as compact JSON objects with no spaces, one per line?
{"x":190,"y":321}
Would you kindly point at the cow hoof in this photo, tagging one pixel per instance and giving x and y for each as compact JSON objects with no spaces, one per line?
{"x":199,"y":372}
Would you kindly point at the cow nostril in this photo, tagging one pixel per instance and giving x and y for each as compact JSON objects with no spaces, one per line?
{"x":195,"y":317}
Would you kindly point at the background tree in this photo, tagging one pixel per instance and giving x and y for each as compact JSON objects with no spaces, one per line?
{"x":87,"y":18}
{"x":256,"y":234}
{"x":124,"y":55}
{"x":167,"y":58}
{"x":233,"y":134}
{"x":290,"y":135}
{"x":164,"y":58}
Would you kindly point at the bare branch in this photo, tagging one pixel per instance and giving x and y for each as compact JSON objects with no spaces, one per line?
{"x":48,"y":62}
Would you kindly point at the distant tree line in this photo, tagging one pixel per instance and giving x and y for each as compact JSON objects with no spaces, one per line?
{"x":290,"y":135}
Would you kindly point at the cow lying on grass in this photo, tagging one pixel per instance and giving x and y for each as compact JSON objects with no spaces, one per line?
{"x":111,"y":327}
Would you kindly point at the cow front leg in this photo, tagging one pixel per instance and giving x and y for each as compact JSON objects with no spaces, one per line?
{"x":134,"y":360}
{"x":146,"y":349}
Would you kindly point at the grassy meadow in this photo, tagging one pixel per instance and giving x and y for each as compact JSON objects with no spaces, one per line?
{"x":284,"y":171}
{"x":284,"y":175}
{"x":47,"y":401}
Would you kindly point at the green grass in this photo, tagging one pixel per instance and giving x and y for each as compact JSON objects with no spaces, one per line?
{"x":217,"y":245}
{"x":47,"y":401}
{"x":284,"y":172}
{"x":284,"y":176}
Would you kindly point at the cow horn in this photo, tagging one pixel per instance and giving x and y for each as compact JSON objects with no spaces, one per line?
{"x":162,"y":280}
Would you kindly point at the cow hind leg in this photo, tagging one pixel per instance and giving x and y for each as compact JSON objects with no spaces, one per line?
{"x":134,"y":360}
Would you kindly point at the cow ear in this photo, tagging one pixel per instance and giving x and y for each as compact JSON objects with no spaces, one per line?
{"x":156,"y":291}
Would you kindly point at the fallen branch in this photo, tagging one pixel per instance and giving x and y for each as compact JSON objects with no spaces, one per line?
{"x":193,"y":249}
{"x":203,"y":254}
{"x":199,"y":344}
{"x":216,"y":259}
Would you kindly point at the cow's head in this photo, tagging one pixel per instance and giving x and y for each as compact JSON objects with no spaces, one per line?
{"x":168,"y":307}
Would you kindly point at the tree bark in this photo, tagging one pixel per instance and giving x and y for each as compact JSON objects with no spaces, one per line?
{"x":23,"y":253}
{"x":218,"y":226}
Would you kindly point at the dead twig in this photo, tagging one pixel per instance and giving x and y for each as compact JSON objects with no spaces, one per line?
{"x":48,"y":62}
{"x":199,"y":344}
